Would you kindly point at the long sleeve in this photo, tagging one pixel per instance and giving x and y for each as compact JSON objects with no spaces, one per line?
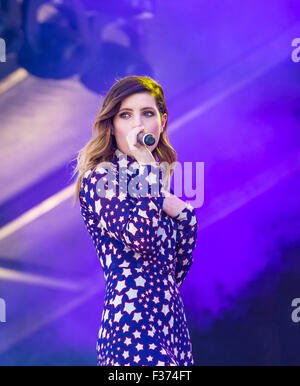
{"x":132,"y":221}
{"x":185,"y":242}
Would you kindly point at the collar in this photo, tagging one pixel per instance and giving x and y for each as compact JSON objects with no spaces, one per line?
{"x":124,"y":158}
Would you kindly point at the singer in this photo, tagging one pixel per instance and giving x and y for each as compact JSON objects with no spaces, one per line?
{"x":144,"y":241}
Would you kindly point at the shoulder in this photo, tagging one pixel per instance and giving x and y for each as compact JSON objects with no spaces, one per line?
{"x":98,"y":182}
{"x":105,"y":170}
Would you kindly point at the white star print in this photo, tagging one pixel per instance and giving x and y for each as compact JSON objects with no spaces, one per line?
{"x":137,"y":316}
{"x":161,"y":232}
{"x":142,"y":213}
{"x":121,"y":285}
{"x":125,"y":328}
{"x":108,"y":260}
{"x":136,"y":358}
{"x":193,"y":221}
{"x":124,"y":264}
{"x":165,"y":330}
{"x":127,"y":341}
{"x":103,"y":223}
{"x":155,"y":221}
{"x":125,"y":354}
{"x":172,"y":338}
{"x":152,"y":206}
{"x":87,"y":173}
{"x":163,"y":351}
{"x":126,"y":272}
{"x":118,"y":316}
{"x":131,"y":293}
{"x":132,"y":229}
{"x":109,"y":193}
{"x":165,"y":309}
{"x":117,"y":300}
{"x":105,"y":315}
{"x":152,"y":332}
{"x":167,"y":295}
{"x":139,"y":347}
{"x":123,"y":163}
{"x":151,"y":178}
{"x":137,"y":334}
{"x":98,"y":206}
{"x":135,"y":165}
{"x":182,"y":215}
{"x":129,"y":307}
{"x":140,"y":281}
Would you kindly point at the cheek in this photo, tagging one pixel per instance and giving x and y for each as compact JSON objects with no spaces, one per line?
{"x":156,"y":131}
{"x":153,"y":126}
{"x":120,"y":128}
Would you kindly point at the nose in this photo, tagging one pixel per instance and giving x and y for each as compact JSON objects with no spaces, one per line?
{"x":137,"y":124}
{"x":137,"y":121}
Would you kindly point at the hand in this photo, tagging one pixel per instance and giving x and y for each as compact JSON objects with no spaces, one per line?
{"x":173,"y":205}
{"x":140,"y":152}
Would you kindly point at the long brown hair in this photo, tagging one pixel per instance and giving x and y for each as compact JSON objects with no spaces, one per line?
{"x":102,"y":146}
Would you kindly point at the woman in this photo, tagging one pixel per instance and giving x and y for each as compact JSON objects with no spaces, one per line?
{"x":144,"y":238}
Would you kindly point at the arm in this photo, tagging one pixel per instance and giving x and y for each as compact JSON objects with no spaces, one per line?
{"x":186,"y":242}
{"x":133,"y":224}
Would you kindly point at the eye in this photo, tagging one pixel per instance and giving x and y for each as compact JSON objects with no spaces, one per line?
{"x":151,"y":114}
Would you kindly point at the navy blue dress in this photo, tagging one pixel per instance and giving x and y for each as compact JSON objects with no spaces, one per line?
{"x":145,"y":256}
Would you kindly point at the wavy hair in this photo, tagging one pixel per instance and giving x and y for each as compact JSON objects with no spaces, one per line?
{"x":103,"y":144}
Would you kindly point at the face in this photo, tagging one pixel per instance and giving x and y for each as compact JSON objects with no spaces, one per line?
{"x":137,"y":110}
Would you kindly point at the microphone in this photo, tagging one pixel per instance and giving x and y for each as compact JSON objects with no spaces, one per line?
{"x":145,"y":138}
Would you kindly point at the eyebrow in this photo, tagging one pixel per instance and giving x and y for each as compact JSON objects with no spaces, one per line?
{"x":143,"y":108}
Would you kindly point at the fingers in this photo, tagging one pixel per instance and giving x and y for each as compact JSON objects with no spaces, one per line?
{"x":132,"y":136}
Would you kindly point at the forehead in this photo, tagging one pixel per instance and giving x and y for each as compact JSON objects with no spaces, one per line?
{"x":139,"y":100}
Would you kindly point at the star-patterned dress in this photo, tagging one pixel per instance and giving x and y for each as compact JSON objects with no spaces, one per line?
{"x":145,"y":256}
